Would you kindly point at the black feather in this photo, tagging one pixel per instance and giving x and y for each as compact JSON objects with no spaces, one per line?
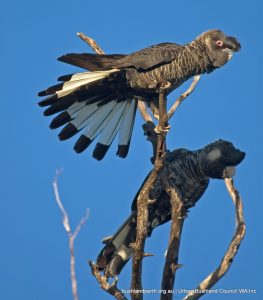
{"x":82,"y":143}
{"x":60,"y":120}
{"x":150,"y":57}
{"x":65,"y":77}
{"x":60,"y":105}
{"x":100,"y":151}
{"x":92,"y":62}
{"x":67,"y":132}
{"x":123,"y":150}
{"x":48,"y":101}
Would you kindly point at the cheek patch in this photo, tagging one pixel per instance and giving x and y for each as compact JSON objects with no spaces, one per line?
{"x":214,"y":155}
{"x":229,"y":172}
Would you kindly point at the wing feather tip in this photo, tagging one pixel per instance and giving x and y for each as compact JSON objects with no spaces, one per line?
{"x":60,"y":120}
{"x":65,"y":77}
{"x":82,"y":143}
{"x":67,"y":132}
{"x":100,"y":151}
{"x":123,"y":150}
{"x":42,"y":93}
{"x":61,"y":58}
{"x":48,"y":101}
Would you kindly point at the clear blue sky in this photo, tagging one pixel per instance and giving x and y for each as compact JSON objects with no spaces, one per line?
{"x":227,"y":104}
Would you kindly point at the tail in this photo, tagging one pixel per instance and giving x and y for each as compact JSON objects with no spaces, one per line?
{"x":92,"y":102}
{"x":117,"y":252}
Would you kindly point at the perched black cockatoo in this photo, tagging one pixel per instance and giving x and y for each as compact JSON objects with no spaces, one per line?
{"x":189,"y":173}
{"x":103,"y":101}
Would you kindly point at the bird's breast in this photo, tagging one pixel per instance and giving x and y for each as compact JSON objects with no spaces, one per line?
{"x":150,"y":81}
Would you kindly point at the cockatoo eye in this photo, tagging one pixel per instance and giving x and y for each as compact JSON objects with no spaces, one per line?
{"x":219,"y":43}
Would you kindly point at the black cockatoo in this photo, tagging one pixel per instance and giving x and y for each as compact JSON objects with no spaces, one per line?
{"x":189,"y":173}
{"x":103,"y":101}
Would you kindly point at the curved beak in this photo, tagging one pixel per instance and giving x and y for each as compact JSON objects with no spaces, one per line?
{"x":232,"y":43}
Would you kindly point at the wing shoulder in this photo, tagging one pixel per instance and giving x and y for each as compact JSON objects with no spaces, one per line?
{"x":150,"y":57}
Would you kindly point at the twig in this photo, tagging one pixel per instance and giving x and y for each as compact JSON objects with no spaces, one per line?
{"x":144,"y":113}
{"x":171,"y":262}
{"x":182,"y":97}
{"x":93,"y":44}
{"x":71,"y":236}
{"x":103,"y":281}
{"x":236,"y":200}
{"x":232,"y":250}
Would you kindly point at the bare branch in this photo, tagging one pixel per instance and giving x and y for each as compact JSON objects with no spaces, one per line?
{"x":161,"y":129}
{"x":103,"y":281}
{"x":144,"y":113}
{"x":236,"y":200}
{"x":71,"y":237}
{"x":93,"y":44}
{"x":81,"y":223}
{"x":142,"y":201}
{"x":65,"y":220}
{"x":232,"y":250}
{"x":171,"y":262}
{"x":141,"y":234}
{"x":182,"y":97}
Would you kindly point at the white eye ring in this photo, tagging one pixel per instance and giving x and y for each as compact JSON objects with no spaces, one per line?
{"x":219,"y":43}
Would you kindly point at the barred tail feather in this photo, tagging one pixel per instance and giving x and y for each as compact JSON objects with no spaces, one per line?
{"x":117,"y":252}
{"x":126,"y":128}
{"x":88,"y":102}
{"x":111,"y":127}
{"x":90,"y":117}
{"x":94,"y":125}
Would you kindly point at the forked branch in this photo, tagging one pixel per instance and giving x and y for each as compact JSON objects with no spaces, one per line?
{"x":71,"y":235}
{"x":103,"y":281}
{"x":184,"y":95}
{"x":232,"y":250}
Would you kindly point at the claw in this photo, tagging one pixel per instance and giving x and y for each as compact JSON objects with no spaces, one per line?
{"x":159,"y":130}
{"x":165,"y":85}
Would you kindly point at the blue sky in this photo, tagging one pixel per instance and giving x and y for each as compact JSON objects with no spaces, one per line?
{"x":226,"y":104}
